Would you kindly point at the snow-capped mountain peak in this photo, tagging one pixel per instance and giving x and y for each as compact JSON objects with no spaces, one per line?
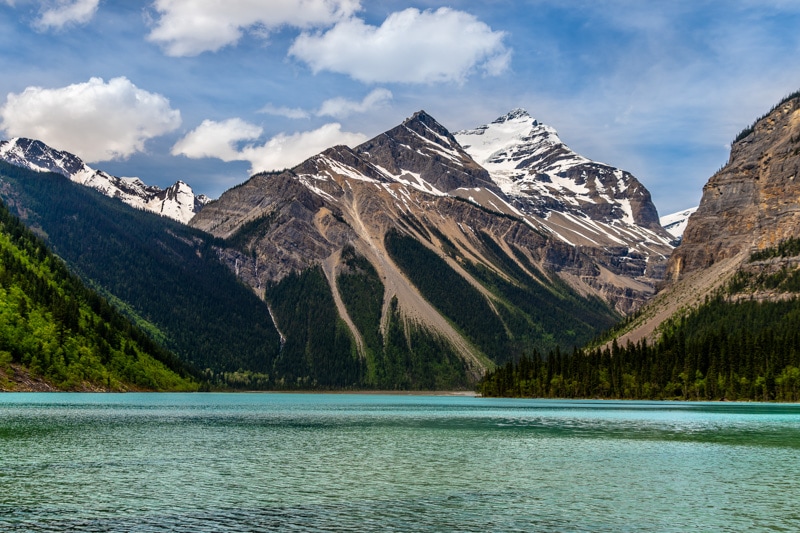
{"x":177,"y":202}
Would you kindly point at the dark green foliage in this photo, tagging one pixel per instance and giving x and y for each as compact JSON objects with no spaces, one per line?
{"x":411,"y":222}
{"x":450,"y":293}
{"x":318,"y":351}
{"x":530,"y":315}
{"x":57,"y":328}
{"x":362,"y":292}
{"x":736,"y":351}
{"x":556,"y":315}
{"x":784,"y":280}
{"x":749,"y":129}
{"x":787,"y":248}
{"x":167,"y":275}
{"x":414,"y":358}
{"x":244,"y":234}
{"x":411,"y":357}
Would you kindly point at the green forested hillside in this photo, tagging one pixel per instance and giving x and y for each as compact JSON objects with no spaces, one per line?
{"x":163,"y":274}
{"x":56,"y":330}
{"x":406,"y":355}
{"x":731,"y":347}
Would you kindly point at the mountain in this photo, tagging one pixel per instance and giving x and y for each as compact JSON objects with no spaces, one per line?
{"x":177,"y":202}
{"x":752,"y":202}
{"x":163,"y":275}
{"x":675,"y":223}
{"x":533,"y":166}
{"x":57,"y":334}
{"x":602,"y":211}
{"x":725,"y":324}
{"x":402,"y":263}
{"x":426,"y":255}
{"x":748,"y":207}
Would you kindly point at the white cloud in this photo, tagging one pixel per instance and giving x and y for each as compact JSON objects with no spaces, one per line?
{"x":96,"y":120}
{"x":191,"y":27}
{"x":410,"y":46}
{"x":342,"y":107}
{"x":285,"y":151}
{"x":288,"y":112}
{"x":219,"y":139}
{"x":66,"y":12}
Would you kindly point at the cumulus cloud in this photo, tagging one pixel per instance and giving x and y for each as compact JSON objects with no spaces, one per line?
{"x":219,"y":139}
{"x":96,"y":120}
{"x":191,"y":27}
{"x":288,"y":112}
{"x":342,"y":107}
{"x":410,"y":46}
{"x":66,"y":12}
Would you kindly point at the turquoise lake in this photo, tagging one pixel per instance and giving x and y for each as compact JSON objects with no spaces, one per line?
{"x":338,"y":462}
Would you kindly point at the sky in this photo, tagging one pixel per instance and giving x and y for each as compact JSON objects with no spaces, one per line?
{"x":210,"y":92}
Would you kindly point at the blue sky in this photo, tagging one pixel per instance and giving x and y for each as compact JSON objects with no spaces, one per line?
{"x":184,"y":89}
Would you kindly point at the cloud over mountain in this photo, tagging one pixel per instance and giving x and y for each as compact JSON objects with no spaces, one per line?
{"x":221,"y":139}
{"x":114,"y":118}
{"x":340,"y":107}
{"x":411,"y":46}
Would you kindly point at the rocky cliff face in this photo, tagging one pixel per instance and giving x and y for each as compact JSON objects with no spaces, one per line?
{"x":753,"y":202}
{"x":177,"y":201}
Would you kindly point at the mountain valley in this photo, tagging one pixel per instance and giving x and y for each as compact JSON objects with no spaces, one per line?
{"x":419,"y":259}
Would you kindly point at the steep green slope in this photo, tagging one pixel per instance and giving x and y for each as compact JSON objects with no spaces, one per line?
{"x":166,"y":276}
{"x":742,"y":344}
{"x":318,"y":351}
{"x":407,"y":356}
{"x":529,"y":314}
{"x":56,"y":330}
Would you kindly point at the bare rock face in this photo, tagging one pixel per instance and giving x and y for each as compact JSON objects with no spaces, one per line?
{"x":422,"y":146}
{"x":753,"y":202}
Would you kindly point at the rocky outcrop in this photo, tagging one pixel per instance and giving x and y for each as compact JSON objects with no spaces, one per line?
{"x":753,"y":202}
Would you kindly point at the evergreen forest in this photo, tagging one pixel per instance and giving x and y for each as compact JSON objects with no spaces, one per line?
{"x":164,"y":276}
{"x":58,"y":331}
{"x":732,"y":347}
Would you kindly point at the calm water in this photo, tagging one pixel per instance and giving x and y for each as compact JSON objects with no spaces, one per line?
{"x":264,"y":462}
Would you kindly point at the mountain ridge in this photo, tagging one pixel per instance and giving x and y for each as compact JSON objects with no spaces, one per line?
{"x":177,"y":201}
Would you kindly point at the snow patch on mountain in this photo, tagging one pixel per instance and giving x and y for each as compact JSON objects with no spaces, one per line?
{"x":676,"y":223}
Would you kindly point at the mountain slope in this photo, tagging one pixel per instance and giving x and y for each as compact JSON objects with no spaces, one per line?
{"x":675,"y":223}
{"x":57,"y":334}
{"x":177,"y":202}
{"x":602,"y":211}
{"x":415,"y":207}
{"x":164,"y":275}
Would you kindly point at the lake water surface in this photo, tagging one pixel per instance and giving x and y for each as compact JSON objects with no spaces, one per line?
{"x":336,"y":462}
